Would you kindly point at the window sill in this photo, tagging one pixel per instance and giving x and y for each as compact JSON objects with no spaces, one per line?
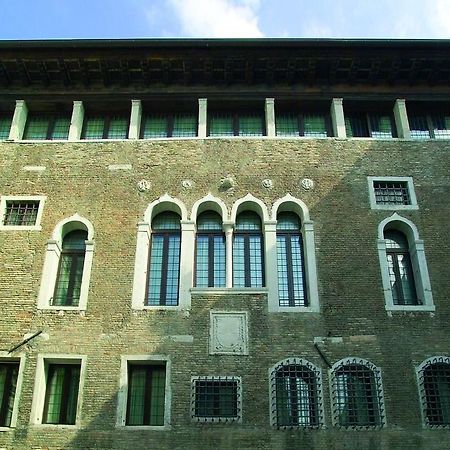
{"x":227,"y":291}
{"x":61,"y":308}
{"x":293,"y":309}
{"x":54,"y":426}
{"x":20,"y":228}
{"x":6,"y":429}
{"x":144,"y":427}
{"x":410,"y":308}
{"x":395,"y":207}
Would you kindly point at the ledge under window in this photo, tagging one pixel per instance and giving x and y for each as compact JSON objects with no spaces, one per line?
{"x":227,"y":291}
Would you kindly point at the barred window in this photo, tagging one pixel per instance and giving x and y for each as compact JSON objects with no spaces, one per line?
{"x":290,"y":261}
{"x":434,"y":383}
{"x":210,"y":251}
{"x":105,"y":127}
{"x":49,"y":127}
{"x":391,"y":192}
{"x":169,"y":125}
{"x":379,"y":126}
{"x":5,"y":127}
{"x":429,"y":126}
{"x":307,"y":125}
{"x":146,"y":394}
{"x":236,"y":125}
{"x":8,"y":382}
{"x":21,"y":213}
{"x":164,"y":269}
{"x":216,"y":399}
{"x":296,"y":395}
{"x":357,"y":398}
{"x":248,"y":254}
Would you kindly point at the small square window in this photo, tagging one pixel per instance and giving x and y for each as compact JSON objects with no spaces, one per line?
{"x":393,"y":193}
{"x":21,"y":212}
{"x":216,"y":399}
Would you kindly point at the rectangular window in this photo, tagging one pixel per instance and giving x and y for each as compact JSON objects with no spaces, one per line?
{"x":8,"y":383}
{"x":216,"y":399}
{"x":429,"y":126}
{"x":46,"y":127}
{"x":391,"y":193}
{"x":236,"y":125}
{"x":374,"y":125}
{"x":306,"y":125}
{"x":5,"y":127}
{"x":146,"y":394}
{"x":169,"y":125}
{"x":21,"y":213}
{"x":105,"y":127}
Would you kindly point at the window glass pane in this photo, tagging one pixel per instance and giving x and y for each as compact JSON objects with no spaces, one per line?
{"x":255,"y":254}
{"x":5,"y":126}
{"x":118,"y":128}
{"x":36,"y":127}
{"x":250,"y":125}
{"x":184,"y":125}
{"x":436,"y":384}
{"x":248,"y":221}
{"x":61,"y":127}
{"x":441,"y":126}
{"x":219,"y":261}
{"x":287,"y":125}
{"x":221,"y":125}
{"x":154,"y":126}
{"x":238,"y":261}
{"x":288,"y":221}
{"x":395,"y":239}
{"x":166,"y":221}
{"x":381,"y":126}
{"x":21,"y":213}
{"x":419,"y":127}
{"x":8,"y":383}
{"x":356,"y":126}
{"x":209,"y":220}
{"x":173,"y":270}
{"x":202,"y":261}
{"x":93,"y":128}
{"x":315,"y":125}
{"x":155,"y":272}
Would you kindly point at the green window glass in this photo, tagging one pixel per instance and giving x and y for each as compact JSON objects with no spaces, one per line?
{"x":8,"y":384}
{"x":61,"y":394}
{"x":169,"y":125}
{"x":40,"y":127}
{"x":146,"y":395}
{"x":307,"y":125}
{"x":250,"y":125}
{"x":118,"y":128}
{"x":184,"y":125}
{"x":154,"y":126}
{"x":315,"y":126}
{"x":93,"y":128}
{"x":287,"y":125}
{"x":5,"y":127}
{"x":221,"y":125}
{"x":381,"y":127}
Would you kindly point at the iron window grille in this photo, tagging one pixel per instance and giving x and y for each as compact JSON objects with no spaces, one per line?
{"x":236,"y":125}
{"x":164,"y":260}
{"x":70,"y":272}
{"x":146,"y":394}
{"x":21,"y":213}
{"x":61,"y":394}
{"x":216,"y":399}
{"x":434,"y":384}
{"x":105,"y":127}
{"x":290,"y":261}
{"x":391,"y":193}
{"x":296,"y":395}
{"x":47,"y":127}
{"x":248,"y":254}
{"x":357,"y":396}
{"x":400,"y":268}
{"x":210,"y":265}
{"x":305,"y":125}
{"x":5,"y":127}
{"x":429,"y":126}
{"x":169,"y":125}
{"x":379,"y":126}
{"x":8,"y":383}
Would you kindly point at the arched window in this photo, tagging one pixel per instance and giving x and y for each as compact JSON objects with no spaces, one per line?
{"x":400,"y":269}
{"x":248,"y":266}
{"x":164,"y":261}
{"x":434,"y":382}
{"x":70,"y":272}
{"x":357,"y":394}
{"x":210,"y":251}
{"x":291,"y":272}
{"x":296,"y":394}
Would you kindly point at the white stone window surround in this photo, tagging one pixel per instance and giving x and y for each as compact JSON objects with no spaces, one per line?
{"x":214,"y":419}
{"x":20,"y":358}
{"x":141,"y":264}
{"x":272,"y":391}
{"x":422,"y":396}
{"x":40,"y":386}
{"x":410,"y":186}
{"x":418,"y":262}
{"x":379,"y":387}
{"x":51,"y":263}
{"x":122,"y":397}
{"x":22,"y":198}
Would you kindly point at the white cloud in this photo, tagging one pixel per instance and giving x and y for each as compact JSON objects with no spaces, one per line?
{"x":218,"y":18}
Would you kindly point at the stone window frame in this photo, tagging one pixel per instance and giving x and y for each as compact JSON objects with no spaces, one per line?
{"x":420,"y":384}
{"x":20,"y":358}
{"x":122,"y":397}
{"x":40,"y":387}
{"x":379,"y":387}
{"x":22,"y":198}
{"x":394,"y":207}
{"x":272,"y":391}
{"x":418,"y":261}
{"x":213,"y":419}
{"x":51,"y":263}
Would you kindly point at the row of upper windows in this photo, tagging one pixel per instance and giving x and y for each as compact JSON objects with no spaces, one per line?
{"x":296,"y":389}
{"x":315,"y":123}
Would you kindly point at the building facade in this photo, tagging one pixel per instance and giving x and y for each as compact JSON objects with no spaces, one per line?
{"x":224,"y":244}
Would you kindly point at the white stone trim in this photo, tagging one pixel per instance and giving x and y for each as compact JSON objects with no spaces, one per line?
{"x":209,"y":203}
{"x":51,"y":263}
{"x":270,"y":117}
{"x":122,"y":396}
{"x":134,"y":129}
{"x":418,"y":262}
{"x":393,"y":207}
{"x":228,"y":333}
{"x":20,"y":358}
{"x":250,"y":203}
{"x":19,"y":120}
{"x":76,"y":121}
{"x":40,"y":386}
{"x":401,"y":119}
{"x":337,"y":118}
{"x":36,"y":227}
{"x":202,"y":118}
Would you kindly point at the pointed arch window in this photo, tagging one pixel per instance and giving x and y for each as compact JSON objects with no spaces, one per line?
{"x":210,"y":251}
{"x":248,"y":254}
{"x":164,"y":261}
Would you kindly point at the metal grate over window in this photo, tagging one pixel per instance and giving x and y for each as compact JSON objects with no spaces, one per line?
{"x":434,"y":381}
{"x":357,"y":395}
{"x":21,"y":213}
{"x":391,"y":193}
{"x":216,"y":399}
{"x":296,"y":398}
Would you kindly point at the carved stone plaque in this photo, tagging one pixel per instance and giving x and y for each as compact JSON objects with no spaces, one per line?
{"x":228,"y":334}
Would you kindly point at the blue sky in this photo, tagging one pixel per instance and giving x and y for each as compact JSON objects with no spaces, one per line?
{"x":51,"y":19}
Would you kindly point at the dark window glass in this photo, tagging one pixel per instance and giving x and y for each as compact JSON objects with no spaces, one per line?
{"x":164,"y":269}
{"x":23,"y":213}
{"x":426,"y":126}
{"x":47,"y":127}
{"x":169,"y":125}
{"x":375,"y":125}
{"x":105,"y":127}
{"x":391,"y":193}
{"x":356,"y":126}
{"x":5,"y":127}
{"x":291,"y":273}
{"x":419,"y":127}
{"x":400,"y":268}
{"x":436,"y":384}
{"x":356,"y":401}
{"x":296,"y":397}
{"x":236,"y":125}
{"x":248,"y":267}
{"x":210,"y":255}
{"x":307,"y":125}
{"x":61,"y":394}
{"x":8,"y":384}
{"x":70,"y":273}
{"x":441,"y":126}
{"x":146,"y":394}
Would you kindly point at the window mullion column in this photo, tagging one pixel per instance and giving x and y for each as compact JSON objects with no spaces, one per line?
{"x":271,"y":265}
{"x":228,"y":230}
{"x":187,"y":252}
